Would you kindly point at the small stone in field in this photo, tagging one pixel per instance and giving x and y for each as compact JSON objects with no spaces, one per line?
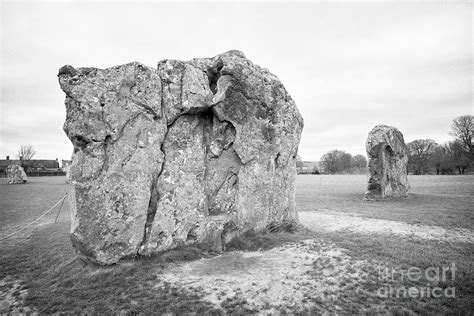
{"x":16,"y":174}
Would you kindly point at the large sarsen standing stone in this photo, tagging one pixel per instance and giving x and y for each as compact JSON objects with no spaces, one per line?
{"x":193,"y":152}
{"x":388,"y":158}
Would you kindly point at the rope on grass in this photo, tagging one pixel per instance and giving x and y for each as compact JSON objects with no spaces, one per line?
{"x":23,"y":228}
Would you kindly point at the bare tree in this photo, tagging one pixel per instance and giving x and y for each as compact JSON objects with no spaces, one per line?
{"x":442,"y":159}
{"x":26,"y":152}
{"x":459,"y":157}
{"x":462,"y":128}
{"x":420,"y":155}
{"x":359,"y":161}
{"x":449,"y":158}
{"x":336,"y":161}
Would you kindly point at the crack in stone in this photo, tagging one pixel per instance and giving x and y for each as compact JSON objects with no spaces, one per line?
{"x":105,"y":165}
{"x":228,"y":176}
{"x":151,"y":211}
{"x":146,"y":108}
{"x":154,"y":193}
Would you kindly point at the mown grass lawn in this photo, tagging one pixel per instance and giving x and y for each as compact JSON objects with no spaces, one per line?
{"x":41,"y":260}
{"x":446,"y":201}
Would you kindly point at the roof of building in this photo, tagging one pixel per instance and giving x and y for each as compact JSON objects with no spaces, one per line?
{"x":33,"y":163}
{"x":5,"y":163}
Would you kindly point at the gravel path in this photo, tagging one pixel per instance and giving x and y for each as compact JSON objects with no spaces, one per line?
{"x":330,"y":222}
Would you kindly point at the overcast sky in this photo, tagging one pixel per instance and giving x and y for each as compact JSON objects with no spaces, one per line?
{"x":347,"y":65}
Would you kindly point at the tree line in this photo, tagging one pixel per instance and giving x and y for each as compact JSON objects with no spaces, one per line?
{"x":339,"y":161}
{"x":425,"y":156}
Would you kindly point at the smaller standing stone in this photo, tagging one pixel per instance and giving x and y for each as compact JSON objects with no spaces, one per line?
{"x":388,"y":158}
{"x":16,"y":174}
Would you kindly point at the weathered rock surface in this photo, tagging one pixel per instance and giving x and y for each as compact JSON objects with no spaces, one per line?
{"x":193,"y":152}
{"x":16,"y":174}
{"x":388,"y":158}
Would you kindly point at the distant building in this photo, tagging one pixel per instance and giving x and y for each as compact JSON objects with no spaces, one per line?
{"x":30,"y":166}
{"x":36,"y":164}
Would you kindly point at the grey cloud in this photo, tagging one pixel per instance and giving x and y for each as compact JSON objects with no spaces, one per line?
{"x":348,"y":66}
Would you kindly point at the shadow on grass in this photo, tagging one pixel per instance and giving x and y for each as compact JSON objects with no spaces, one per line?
{"x":56,"y":281}
{"x":252,"y":241}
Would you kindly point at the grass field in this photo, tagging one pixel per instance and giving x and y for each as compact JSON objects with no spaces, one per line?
{"x":445,"y":201}
{"x":332,"y":264}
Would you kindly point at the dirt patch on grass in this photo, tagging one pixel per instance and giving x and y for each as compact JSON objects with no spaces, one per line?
{"x":330,"y":222}
{"x":296,"y":277}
